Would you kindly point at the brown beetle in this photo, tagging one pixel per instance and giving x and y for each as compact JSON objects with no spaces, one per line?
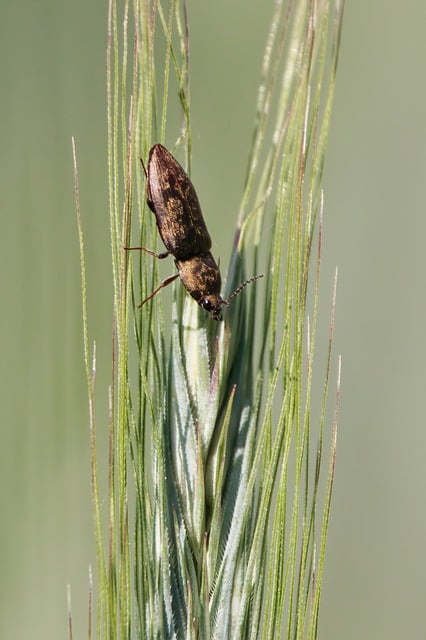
{"x":172,"y":198}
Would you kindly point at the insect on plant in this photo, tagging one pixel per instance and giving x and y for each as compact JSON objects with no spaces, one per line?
{"x":172,"y":198}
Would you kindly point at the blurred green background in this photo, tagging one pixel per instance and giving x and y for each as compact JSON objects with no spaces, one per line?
{"x":52,"y":87}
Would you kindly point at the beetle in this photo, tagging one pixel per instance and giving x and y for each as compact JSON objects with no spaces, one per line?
{"x":172,"y":198}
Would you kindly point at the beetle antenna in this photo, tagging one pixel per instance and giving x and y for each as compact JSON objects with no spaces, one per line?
{"x":240,"y":288}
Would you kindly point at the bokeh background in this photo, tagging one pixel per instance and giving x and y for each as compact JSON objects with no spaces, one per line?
{"x":52,"y":62}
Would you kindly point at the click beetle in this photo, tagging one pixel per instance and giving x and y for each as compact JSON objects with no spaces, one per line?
{"x":173,"y":200}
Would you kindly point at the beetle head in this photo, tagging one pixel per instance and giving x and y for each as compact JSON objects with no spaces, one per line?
{"x":213,"y":305}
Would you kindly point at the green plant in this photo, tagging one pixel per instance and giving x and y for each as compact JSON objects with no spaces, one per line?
{"x":218,"y":509}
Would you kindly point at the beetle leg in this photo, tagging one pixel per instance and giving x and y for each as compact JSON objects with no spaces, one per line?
{"x":162,"y":285}
{"x":161,"y":256}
